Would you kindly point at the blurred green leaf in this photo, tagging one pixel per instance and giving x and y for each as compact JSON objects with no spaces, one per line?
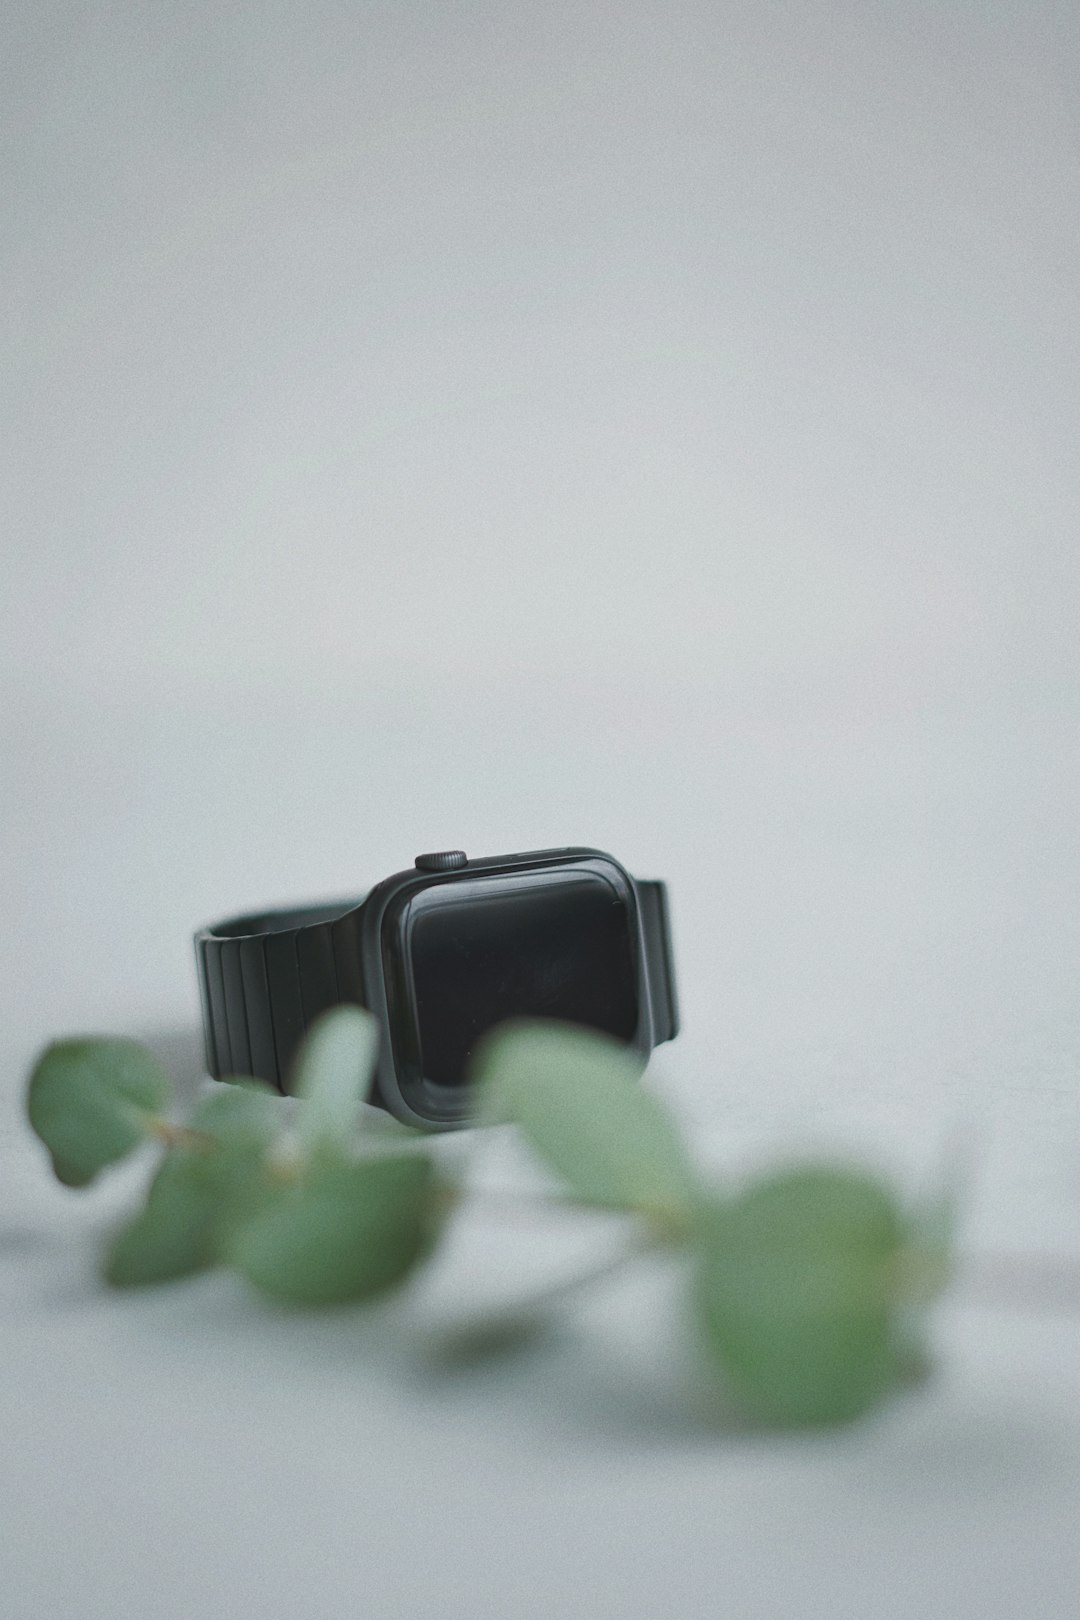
{"x":89,"y":1101}
{"x":196,"y":1198}
{"x":332,"y":1076}
{"x":577,"y":1096}
{"x":344,"y":1232}
{"x":173,"y":1235}
{"x":796,"y":1281}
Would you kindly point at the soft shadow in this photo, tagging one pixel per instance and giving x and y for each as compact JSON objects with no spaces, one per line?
{"x":19,"y":1240}
{"x":557,"y":1380}
{"x":977,"y":1446}
{"x":573,"y":1384}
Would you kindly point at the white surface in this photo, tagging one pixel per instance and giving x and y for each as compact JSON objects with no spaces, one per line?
{"x":645,"y":426}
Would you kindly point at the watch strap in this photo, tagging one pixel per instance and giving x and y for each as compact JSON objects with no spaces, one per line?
{"x":264,"y":978}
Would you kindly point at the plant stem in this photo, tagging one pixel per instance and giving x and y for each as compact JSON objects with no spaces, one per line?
{"x":503,"y":1201}
{"x":178,"y":1135}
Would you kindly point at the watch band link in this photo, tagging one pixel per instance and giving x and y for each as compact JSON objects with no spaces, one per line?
{"x":264,"y":979}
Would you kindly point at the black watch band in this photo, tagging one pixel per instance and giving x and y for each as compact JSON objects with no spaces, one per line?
{"x":264,"y":978}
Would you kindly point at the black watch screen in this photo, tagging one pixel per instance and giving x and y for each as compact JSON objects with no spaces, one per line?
{"x":461,"y":957}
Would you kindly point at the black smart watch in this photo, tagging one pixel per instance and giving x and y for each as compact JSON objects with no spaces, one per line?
{"x":441,"y":953}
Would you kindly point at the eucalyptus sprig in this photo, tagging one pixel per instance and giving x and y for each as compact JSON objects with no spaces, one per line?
{"x":808,"y":1288}
{"x":293,"y":1202}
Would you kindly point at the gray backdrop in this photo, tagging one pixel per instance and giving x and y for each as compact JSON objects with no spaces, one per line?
{"x":652,"y":426}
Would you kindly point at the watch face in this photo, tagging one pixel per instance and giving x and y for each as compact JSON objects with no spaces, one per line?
{"x":464,"y":955}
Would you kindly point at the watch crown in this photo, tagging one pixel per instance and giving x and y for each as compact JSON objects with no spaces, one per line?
{"x":442,"y":860}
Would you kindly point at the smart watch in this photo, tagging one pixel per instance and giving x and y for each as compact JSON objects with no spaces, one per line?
{"x":440,"y":953}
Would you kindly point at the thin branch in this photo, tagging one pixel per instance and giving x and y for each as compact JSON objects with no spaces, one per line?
{"x":503,"y":1201}
{"x":178,"y":1135}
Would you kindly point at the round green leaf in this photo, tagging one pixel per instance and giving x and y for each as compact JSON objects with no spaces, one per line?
{"x":344,"y":1232}
{"x":88,"y":1100}
{"x":198,"y":1195}
{"x":332,"y":1075}
{"x":576,"y":1094}
{"x":172,"y":1236}
{"x":794,"y":1285}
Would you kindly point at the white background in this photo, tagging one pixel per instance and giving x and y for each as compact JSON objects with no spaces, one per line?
{"x":650,"y":426}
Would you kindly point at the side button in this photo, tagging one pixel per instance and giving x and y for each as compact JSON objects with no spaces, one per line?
{"x":443,"y":860}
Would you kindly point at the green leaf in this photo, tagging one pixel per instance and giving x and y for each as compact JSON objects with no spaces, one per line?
{"x":89,"y":1101}
{"x":173,"y":1235}
{"x":576,"y":1094}
{"x":332,"y":1075}
{"x":200,"y":1193}
{"x":795,"y":1293}
{"x":345,"y":1232}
